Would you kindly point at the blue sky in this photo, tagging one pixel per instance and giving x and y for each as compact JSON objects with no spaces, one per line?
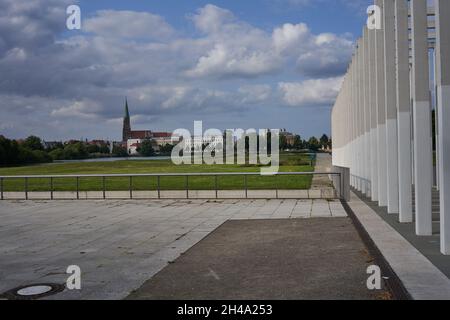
{"x":325,"y":16}
{"x":232,"y":64}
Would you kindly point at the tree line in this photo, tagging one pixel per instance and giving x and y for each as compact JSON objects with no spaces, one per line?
{"x":312,"y":143}
{"x":32,"y":150}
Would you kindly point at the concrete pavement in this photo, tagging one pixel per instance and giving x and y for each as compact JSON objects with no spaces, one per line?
{"x":120,"y":244}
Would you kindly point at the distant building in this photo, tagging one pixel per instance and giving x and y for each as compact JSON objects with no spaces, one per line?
{"x":133,"y":145}
{"x":52,"y":144}
{"x":132,"y":139}
{"x":290,"y":137}
{"x":98,"y":143}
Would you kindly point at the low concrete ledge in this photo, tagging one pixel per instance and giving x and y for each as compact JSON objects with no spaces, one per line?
{"x":202,"y":194}
{"x":293,"y":194}
{"x":232,"y":194}
{"x":419,"y":276}
{"x":140,"y":194}
{"x":323,"y":193}
{"x":35,"y":195}
{"x":261,"y":194}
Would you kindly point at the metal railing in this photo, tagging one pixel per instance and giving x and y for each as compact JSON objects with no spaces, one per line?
{"x":158,"y":176}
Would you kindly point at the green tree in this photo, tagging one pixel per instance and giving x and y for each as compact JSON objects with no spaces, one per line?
{"x":324,"y":141}
{"x":313,"y":144}
{"x":57,"y":145}
{"x":104,"y":149}
{"x":33,"y":143}
{"x":283,"y":142}
{"x":12,"y":153}
{"x":40,"y":156}
{"x":8,"y":152}
{"x":119,"y":151}
{"x":93,"y":148}
{"x":146,"y":148}
{"x":298,"y":142}
{"x":57,"y":154}
{"x":167,"y":148}
{"x":76,"y":150}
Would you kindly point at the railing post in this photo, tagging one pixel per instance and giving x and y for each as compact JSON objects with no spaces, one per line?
{"x":26,"y":188}
{"x":245,"y":186}
{"x":187,"y":187}
{"x":216,"y":186}
{"x":104,"y":187}
{"x":276,"y":186}
{"x":158,"y":183}
{"x":78,"y":188}
{"x":51,"y":188}
{"x":1,"y":188}
{"x":131,"y":187}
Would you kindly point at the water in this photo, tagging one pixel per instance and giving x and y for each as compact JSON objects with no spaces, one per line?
{"x":114,"y":159}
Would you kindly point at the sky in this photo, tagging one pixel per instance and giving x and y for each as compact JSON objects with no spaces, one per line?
{"x":229,"y":63}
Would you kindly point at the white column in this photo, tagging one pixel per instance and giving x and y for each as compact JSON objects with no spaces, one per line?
{"x":352,"y":123}
{"x":436,"y":120}
{"x":358,"y":121}
{"x":391,"y":108}
{"x":373,"y":118}
{"x":404,"y":112}
{"x":362,"y":147}
{"x":367,"y":139}
{"x":353,"y":115}
{"x":443,"y":98}
{"x":422,"y":118}
{"x":381,"y":114}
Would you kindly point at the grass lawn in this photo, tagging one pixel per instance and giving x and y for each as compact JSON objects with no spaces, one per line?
{"x":289,"y":163}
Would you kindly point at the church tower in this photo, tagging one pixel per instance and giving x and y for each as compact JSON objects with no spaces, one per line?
{"x":126,"y":132}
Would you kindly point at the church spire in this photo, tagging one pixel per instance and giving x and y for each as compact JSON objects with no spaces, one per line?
{"x":126,"y":131}
{"x":127,"y":113}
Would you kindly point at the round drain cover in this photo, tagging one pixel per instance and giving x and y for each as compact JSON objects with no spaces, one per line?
{"x":33,"y":291}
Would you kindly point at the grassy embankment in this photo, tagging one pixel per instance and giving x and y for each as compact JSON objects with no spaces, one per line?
{"x":289,"y":163}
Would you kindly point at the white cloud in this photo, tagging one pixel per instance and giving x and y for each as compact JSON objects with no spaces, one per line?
{"x":255,"y":93}
{"x":228,"y":65}
{"x":238,"y":50}
{"x":81,"y":109}
{"x":319,"y":92}
{"x":128,"y":24}
{"x":211,"y":18}
{"x":290,"y":36}
{"x":327,"y":57}
{"x":223,"y":61}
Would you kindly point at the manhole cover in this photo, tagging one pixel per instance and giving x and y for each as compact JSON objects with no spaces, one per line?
{"x":33,"y":291}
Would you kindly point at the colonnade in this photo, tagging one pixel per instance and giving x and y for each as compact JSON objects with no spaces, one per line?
{"x":382,"y":117}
